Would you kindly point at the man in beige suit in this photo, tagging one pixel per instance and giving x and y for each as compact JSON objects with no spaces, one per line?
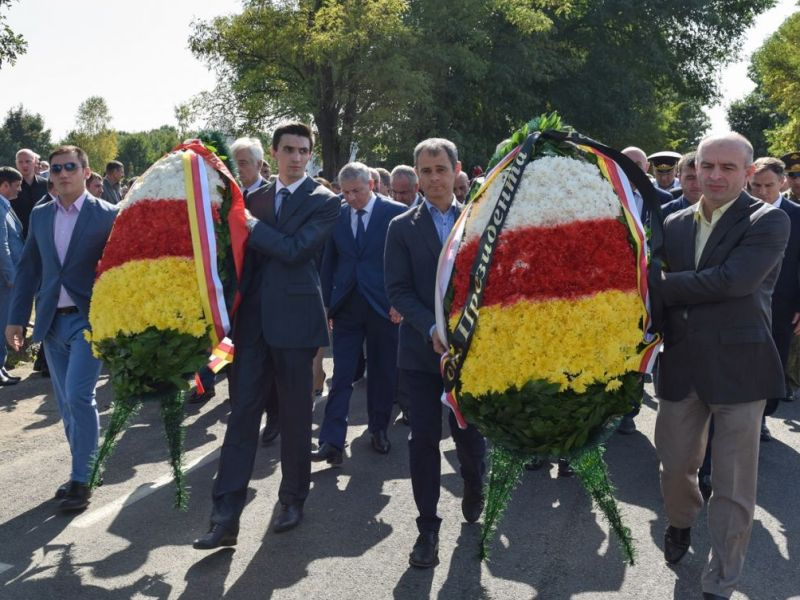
{"x":721,"y":260}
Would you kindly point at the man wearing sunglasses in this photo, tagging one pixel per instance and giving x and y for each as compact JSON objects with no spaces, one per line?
{"x":66,"y":238}
{"x":792,"y":162}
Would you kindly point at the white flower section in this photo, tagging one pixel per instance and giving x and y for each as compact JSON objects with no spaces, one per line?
{"x":165,"y":181}
{"x":554,"y":190}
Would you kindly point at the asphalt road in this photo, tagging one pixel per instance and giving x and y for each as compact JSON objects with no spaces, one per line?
{"x":359,"y":521}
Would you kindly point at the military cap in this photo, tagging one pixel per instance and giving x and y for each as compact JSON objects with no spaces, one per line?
{"x":664,"y":160}
{"x":792,"y":161}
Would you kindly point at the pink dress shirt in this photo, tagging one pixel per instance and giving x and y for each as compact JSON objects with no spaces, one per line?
{"x":63,"y":227}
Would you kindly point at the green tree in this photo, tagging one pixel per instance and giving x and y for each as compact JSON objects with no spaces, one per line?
{"x":12,"y":45}
{"x":753,"y":116}
{"x":334,"y":62}
{"x":93,"y":132}
{"x":22,"y":129}
{"x":775,"y":67}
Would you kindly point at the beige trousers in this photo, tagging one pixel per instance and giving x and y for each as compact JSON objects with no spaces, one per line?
{"x":681,"y":435}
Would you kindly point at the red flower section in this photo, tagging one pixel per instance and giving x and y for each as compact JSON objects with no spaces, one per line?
{"x":544,"y":263}
{"x":148,"y":229}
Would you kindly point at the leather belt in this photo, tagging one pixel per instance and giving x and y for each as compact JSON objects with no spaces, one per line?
{"x":66,"y":310}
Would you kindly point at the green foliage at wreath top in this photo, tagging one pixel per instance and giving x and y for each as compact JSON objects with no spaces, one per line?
{"x":542,"y":420}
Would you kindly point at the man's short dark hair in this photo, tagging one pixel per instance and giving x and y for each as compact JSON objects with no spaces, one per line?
{"x":113,"y":165}
{"x":83,"y":158}
{"x":9,"y":175}
{"x":768,"y":163}
{"x":434,"y":146}
{"x":687,"y":160}
{"x":292,"y":128}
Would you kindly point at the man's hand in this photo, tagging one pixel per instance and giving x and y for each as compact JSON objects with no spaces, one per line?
{"x":15,"y":336}
{"x":438,"y":346}
{"x":796,"y":323}
{"x":394,"y":316}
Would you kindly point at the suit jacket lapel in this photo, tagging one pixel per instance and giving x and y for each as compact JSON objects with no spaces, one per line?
{"x":292,"y":203}
{"x":49,"y":231}
{"x":732,"y":216}
{"x":424,"y":220}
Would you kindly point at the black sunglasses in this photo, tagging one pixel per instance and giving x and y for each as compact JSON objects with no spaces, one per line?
{"x":68,"y":167}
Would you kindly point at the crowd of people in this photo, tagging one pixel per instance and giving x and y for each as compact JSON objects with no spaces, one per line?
{"x":353,"y":262}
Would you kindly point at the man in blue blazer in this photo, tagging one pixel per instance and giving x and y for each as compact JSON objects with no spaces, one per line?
{"x":277,"y":330}
{"x":765,"y":184}
{"x":354,"y":292}
{"x":66,"y":238}
{"x":11,"y":242}
{"x":413,"y":245}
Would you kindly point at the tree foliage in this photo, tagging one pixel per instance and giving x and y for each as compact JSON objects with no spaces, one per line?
{"x":387,"y":73}
{"x":22,"y":129}
{"x":775,"y":67}
{"x":12,"y":45}
{"x":93,"y":132}
{"x":753,"y":116}
{"x":138,"y":150}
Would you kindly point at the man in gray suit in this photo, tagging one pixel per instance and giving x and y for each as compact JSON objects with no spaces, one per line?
{"x":721,"y":260}
{"x":11,"y":242}
{"x":277,"y":329}
{"x":66,"y":238}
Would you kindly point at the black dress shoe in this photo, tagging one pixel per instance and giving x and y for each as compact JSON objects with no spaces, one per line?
{"x":327,"y":452}
{"x":271,"y":431}
{"x":676,"y":543}
{"x":564,"y":470}
{"x":626,"y":426}
{"x":196,"y":397}
{"x":76,"y":497}
{"x":8,"y":380}
{"x":62,"y":490}
{"x":472,"y":503}
{"x":289,"y":517}
{"x":381,"y":443}
{"x":9,"y":376}
{"x":217,"y":537}
{"x":710,"y":596}
{"x":425,"y":553}
{"x":766,"y":436}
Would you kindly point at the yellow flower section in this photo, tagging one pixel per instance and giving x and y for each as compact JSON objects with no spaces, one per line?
{"x":160,"y":293}
{"x":574,"y":343}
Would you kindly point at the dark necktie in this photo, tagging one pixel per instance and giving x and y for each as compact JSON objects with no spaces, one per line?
{"x":361,"y":231}
{"x":280,"y":197}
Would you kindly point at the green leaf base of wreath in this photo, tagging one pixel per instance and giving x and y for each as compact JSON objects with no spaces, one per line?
{"x":542,"y":420}
{"x":507,"y":467}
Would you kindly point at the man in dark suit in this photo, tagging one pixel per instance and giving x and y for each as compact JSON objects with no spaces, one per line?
{"x":413,"y":245}
{"x":713,"y":305}
{"x":65,"y":241}
{"x":33,"y":188}
{"x":690,"y":188}
{"x":354,"y":292}
{"x":278,"y":327}
{"x":765,"y":184}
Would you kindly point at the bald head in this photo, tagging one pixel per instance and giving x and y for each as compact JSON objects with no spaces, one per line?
{"x":461,"y":186}
{"x":638,"y":156}
{"x":730,"y":140}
